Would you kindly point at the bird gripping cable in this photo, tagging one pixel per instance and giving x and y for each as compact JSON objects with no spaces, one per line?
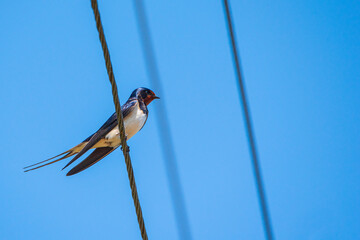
{"x":124,"y":145}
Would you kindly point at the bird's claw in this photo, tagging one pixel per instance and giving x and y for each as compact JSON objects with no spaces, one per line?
{"x":127,"y":149}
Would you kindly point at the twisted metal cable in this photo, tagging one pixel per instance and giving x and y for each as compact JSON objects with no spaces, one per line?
{"x":124,"y":145}
{"x":249,"y":128}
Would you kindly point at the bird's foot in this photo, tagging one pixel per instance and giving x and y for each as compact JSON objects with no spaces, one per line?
{"x":127,"y":149}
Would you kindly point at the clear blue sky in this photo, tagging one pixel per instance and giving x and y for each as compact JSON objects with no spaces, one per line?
{"x":301,"y":67}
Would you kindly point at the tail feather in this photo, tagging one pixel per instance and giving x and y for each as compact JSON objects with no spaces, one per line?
{"x":66,"y":156}
{"x":47,"y":159}
{"x":67,"y":153}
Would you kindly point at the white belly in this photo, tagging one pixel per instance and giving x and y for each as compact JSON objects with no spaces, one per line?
{"x":132,"y":123}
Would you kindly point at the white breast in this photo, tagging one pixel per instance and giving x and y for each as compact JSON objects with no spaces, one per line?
{"x":132,"y":123}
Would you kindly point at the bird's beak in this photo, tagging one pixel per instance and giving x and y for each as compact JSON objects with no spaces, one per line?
{"x":156,"y":97}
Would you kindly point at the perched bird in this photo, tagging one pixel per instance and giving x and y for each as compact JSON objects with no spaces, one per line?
{"x":107,"y":138}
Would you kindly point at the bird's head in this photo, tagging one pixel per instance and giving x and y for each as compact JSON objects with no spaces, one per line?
{"x":144,"y":94}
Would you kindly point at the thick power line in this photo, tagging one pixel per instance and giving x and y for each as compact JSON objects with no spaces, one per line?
{"x":110,"y":72}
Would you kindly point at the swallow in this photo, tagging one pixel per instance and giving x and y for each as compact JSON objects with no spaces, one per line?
{"x":107,"y":138}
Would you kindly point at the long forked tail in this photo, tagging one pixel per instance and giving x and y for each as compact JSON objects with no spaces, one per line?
{"x":46,"y":162}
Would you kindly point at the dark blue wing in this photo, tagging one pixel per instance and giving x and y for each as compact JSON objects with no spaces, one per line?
{"x":93,"y":158}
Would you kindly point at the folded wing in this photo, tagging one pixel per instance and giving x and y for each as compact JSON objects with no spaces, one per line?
{"x":93,"y":158}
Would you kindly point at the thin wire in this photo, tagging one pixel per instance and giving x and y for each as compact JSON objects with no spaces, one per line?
{"x":176,"y":192}
{"x":249,"y":128}
{"x":124,"y":145}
